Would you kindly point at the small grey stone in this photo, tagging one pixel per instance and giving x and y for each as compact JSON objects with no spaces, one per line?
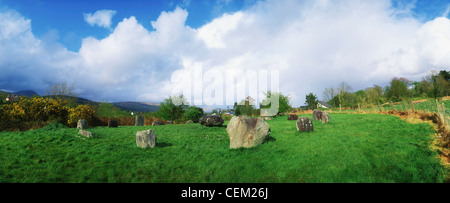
{"x":85,"y":133}
{"x":82,"y":124}
{"x":139,"y":121}
{"x":155,"y":123}
{"x":304,"y":124}
{"x":211,"y":121}
{"x":292,"y":117}
{"x":113,"y":124}
{"x":146,"y":139}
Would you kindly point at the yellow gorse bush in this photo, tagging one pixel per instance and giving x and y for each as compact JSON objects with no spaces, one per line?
{"x":13,"y":112}
{"x":80,"y":112}
{"x":43,"y":109}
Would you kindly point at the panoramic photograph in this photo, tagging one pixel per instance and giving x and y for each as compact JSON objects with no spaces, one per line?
{"x":225,"y":91}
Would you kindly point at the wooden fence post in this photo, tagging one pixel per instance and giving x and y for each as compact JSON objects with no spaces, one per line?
{"x":443,"y":114}
{"x":437,"y":106}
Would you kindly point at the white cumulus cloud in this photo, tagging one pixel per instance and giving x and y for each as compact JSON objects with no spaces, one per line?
{"x":101,"y":18}
{"x":312,"y":44}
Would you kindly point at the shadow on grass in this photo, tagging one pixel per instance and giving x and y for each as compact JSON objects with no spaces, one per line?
{"x":270,"y":139}
{"x":222,"y":126}
{"x":163,"y":144}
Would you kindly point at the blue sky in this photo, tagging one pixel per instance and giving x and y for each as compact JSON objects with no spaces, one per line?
{"x":130,"y":50}
{"x":65,"y":18}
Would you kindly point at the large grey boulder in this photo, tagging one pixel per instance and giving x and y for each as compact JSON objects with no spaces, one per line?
{"x":139,"y":121}
{"x":247,"y":132}
{"x":304,"y":124}
{"x":211,"y":121}
{"x":317,"y":115}
{"x":85,"y":133}
{"x":323,"y":116}
{"x":82,"y":124}
{"x":146,"y":139}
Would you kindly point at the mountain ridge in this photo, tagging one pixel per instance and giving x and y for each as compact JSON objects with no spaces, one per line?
{"x":126,"y":106}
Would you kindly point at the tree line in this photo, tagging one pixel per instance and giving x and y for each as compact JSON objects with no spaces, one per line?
{"x":433,"y":85}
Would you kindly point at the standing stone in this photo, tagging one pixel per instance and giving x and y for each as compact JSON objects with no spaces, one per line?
{"x":155,"y":123}
{"x":326,"y":117}
{"x":304,"y":124}
{"x":317,"y":115}
{"x":323,"y":116}
{"x":247,"y":132}
{"x":113,"y":124}
{"x":139,"y":121}
{"x":292,"y":117}
{"x":146,"y":139}
{"x":82,"y":124}
{"x":211,"y":121}
{"x":85,"y":133}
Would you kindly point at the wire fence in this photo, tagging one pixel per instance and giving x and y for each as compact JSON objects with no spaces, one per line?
{"x":443,"y":112}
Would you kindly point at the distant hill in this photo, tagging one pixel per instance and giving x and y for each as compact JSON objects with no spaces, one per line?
{"x":78,"y":100}
{"x":126,"y":106}
{"x":3,"y":95}
{"x":28,"y":93}
{"x":137,"y":106}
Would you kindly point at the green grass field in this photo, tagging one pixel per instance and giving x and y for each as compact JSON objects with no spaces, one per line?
{"x":359,"y":148}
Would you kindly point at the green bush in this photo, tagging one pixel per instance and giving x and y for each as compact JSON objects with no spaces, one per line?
{"x":193,"y":113}
{"x":169,"y":111}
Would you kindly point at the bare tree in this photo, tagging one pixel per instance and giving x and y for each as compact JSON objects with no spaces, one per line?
{"x":329,"y":93}
{"x":63,"y":91}
{"x":342,"y":90}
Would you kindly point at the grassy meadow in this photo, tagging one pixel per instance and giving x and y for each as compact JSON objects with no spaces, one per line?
{"x":360,"y":148}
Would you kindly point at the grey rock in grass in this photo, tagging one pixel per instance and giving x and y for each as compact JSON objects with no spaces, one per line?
{"x":247,"y":132}
{"x":317,"y":115}
{"x":189,"y":121}
{"x":304,"y":124}
{"x":326,"y":117}
{"x":155,"y":123}
{"x":323,"y":116}
{"x":146,"y":139}
{"x":113,"y":124}
{"x":292,"y":117}
{"x":82,"y":124}
{"x":139,"y":121}
{"x":211,"y":121}
{"x":85,"y":133}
